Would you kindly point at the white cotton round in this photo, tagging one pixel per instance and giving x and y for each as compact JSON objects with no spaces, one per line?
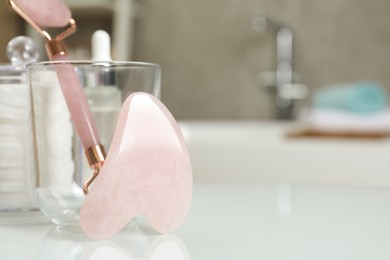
{"x":12,"y":186}
{"x":10,"y":128}
{"x":11,"y":149}
{"x":6,"y":164}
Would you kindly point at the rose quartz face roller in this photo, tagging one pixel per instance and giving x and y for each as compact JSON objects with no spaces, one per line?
{"x":147,"y":170}
{"x":55,"y":13}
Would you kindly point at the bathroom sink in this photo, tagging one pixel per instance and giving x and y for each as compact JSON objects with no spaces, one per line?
{"x":261,"y":152}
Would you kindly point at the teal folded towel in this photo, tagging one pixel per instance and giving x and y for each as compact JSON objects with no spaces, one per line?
{"x":363,"y":97}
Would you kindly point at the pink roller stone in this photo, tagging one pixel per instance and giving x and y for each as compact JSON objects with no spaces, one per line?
{"x":51,"y":13}
{"x":77,"y":102}
{"x":147,"y":170}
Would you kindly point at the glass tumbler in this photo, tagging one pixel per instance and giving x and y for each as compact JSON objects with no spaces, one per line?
{"x":61,"y":168}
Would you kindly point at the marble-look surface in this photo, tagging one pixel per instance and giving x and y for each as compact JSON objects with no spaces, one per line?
{"x":231,"y":222}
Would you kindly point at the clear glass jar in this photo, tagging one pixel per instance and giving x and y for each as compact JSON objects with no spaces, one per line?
{"x":61,"y":165}
{"x":16,"y":137}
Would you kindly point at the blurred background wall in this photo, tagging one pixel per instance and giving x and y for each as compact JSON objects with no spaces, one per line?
{"x":10,"y":25}
{"x":213,"y":60}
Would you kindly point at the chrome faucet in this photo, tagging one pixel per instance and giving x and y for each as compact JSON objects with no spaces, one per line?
{"x":284,"y":90}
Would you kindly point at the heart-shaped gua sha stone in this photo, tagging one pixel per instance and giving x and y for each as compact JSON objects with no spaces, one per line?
{"x":147,"y":170}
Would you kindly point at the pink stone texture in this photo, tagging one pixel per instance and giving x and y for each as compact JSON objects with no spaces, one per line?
{"x":77,"y":102}
{"x":147,"y":170}
{"x":50,"y":13}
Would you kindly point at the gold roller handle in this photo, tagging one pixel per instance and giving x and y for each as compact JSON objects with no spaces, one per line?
{"x":95,"y":157}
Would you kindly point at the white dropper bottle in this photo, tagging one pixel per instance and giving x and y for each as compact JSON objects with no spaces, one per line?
{"x":103,"y":95}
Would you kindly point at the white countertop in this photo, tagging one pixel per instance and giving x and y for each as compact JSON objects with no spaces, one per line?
{"x":231,"y":222}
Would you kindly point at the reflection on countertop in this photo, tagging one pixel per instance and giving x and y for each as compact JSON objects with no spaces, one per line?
{"x":44,"y":241}
{"x":233,"y":221}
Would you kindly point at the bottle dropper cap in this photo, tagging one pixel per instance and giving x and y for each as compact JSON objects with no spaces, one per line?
{"x":101,"y":46}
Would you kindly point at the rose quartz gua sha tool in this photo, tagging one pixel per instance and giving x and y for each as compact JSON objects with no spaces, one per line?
{"x":147,"y":170}
{"x":54,"y":13}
